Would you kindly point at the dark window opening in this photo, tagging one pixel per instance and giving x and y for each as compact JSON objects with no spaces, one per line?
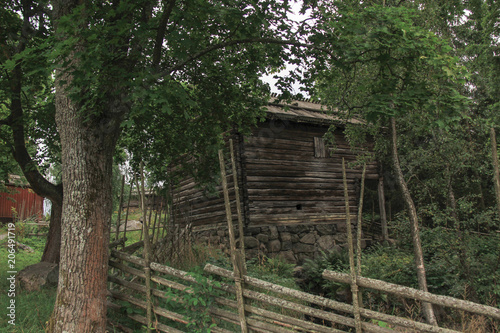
{"x":299,"y":207}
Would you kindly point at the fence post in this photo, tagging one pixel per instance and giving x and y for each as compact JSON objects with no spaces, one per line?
{"x":243,"y":267}
{"x":354,"y":285}
{"x":120,"y":209}
{"x":126,"y":213}
{"x":235,"y":255}
{"x":360,"y":231}
{"x":147,"y":255}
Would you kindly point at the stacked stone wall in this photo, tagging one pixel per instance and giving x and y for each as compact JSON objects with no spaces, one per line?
{"x":294,"y":243}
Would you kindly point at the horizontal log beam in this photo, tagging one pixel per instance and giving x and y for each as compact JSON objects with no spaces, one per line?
{"x":325,"y":302}
{"x":129,"y":258}
{"x":281,"y":319}
{"x":158,"y":326}
{"x":304,"y":219}
{"x":142,"y":304}
{"x":127,"y":269}
{"x":416,"y":294}
{"x":299,"y":295}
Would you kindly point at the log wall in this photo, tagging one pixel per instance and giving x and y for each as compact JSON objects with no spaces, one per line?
{"x":291,"y":178}
{"x":193,"y":205}
{"x":286,"y":177}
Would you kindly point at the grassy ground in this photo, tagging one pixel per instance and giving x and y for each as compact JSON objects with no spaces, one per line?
{"x":32,"y":309}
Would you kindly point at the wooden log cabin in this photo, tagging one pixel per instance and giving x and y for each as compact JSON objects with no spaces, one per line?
{"x":290,"y":182}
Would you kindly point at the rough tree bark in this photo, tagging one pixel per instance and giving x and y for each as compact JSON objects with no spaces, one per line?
{"x":412,"y":214}
{"x":88,"y":140}
{"x":87,"y":159}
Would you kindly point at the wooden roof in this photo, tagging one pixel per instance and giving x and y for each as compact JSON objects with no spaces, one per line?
{"x":305,"y":111}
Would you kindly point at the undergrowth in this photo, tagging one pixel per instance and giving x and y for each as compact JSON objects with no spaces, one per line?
{"x":33,"y":309}
{"x":458,"y":264}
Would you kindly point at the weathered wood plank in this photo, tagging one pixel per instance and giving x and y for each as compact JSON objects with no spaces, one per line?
{"x":172,"y":271}
{"x":314,"y":312}
{"x":282,"y":319}
{"x":292,"y":201}
{"x":159,"y":326}
{"x":299,"y":167}
{"x":142,"y":304}
{"x":304,"y":219}
{"x":292,"y":211}
{"x":291,"y":185}
{"x":295,"y":180}
{"x":328,"y":194}
{"x":325,"y":302}
{"x":264,"y":155}
{"x":253,"y":324}
{"x":271,"y":171}
{"x":315,"y":149}
{"x":417,"y":294}
{"x":127,"y":257}
{"x":127,"y":269}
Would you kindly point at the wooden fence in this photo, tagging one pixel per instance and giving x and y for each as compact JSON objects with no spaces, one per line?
{"x":268,"y":307}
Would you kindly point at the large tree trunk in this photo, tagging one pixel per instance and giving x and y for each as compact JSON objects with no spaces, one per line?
{"x":52,"y":251}
{"x":88,"y":139}
{"x":87,"y":159}
{"x":412,"y":214}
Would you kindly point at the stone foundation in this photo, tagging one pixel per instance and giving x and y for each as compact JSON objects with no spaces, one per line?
{"x":294,"y":243}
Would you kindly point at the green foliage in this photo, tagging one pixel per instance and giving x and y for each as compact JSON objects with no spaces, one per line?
{"x":391,"y":264}
{"x":463,"y":264}
{"x":335,"y":260}
{"x":194,"y":303}
{"x":384,"y":64}
{"x":274,"y":270}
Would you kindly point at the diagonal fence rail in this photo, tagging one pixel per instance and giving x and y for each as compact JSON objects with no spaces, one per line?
{"x":268,"y":307}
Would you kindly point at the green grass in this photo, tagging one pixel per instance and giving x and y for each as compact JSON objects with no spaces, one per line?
{"x":135,"y":214}
{"x":32,"y":309}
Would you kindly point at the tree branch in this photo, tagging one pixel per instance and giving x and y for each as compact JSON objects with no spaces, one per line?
{"x":160,"y":34}
{"x":222,"y":45}
{"x":29,"y":168}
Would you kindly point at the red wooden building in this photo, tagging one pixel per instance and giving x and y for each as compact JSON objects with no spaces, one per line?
{"x":19,"y":200}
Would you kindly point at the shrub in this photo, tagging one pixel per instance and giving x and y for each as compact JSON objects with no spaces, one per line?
{"x":336,"y":260}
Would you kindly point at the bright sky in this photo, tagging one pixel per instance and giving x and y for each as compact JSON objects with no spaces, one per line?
{"x":295,"y":16}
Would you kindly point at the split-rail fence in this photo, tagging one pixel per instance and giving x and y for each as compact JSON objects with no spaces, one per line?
{"x":268,"y":307}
